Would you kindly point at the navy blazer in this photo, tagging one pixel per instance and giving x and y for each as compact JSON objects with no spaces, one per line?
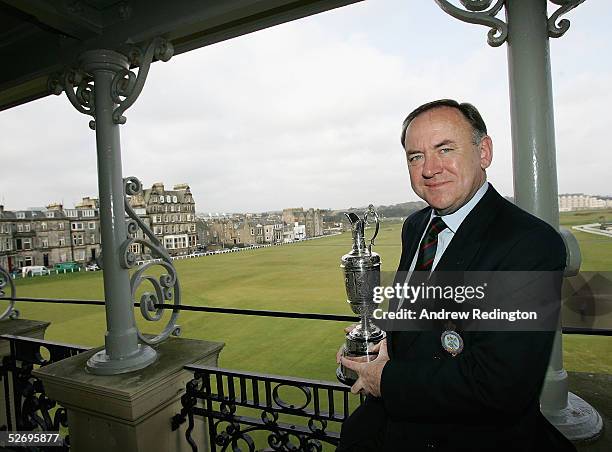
{"x":487,"y":397}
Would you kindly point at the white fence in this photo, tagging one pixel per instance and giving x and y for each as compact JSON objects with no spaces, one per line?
{"x":593,"y":228}
{"x":235,"y":250}
{"x":52,"y":271}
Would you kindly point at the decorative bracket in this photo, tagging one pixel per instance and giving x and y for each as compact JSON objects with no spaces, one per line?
{"x":79,"y":87}
{"x":480,"y":12}
{"x":126,"y":85}
{"x":554,"y":30}
{"x":5,"y":279}
{"x":166,"y":287}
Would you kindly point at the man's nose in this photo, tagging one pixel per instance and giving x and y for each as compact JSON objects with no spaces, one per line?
{"x":431,"y":166}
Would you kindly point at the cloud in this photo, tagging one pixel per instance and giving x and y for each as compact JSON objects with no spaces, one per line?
{"x":303,"y":114}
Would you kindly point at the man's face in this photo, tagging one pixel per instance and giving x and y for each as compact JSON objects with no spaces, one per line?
{"x":446,"y":167}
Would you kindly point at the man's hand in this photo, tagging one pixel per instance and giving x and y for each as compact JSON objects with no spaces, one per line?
{"x":369,"y":372}
{"x":340,"y":351}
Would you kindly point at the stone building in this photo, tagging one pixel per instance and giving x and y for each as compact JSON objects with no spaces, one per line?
{"x":7,"y":247}
{"x":171,"y":214}
{"x":579,"y":201}
{"x":34,"y":237}
{"x":85,"y":230}
{"x":313,"y":223}
{"x":240,"y":231}
{"x":312,"y":219}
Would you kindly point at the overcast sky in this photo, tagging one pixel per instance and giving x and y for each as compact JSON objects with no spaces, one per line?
{"x":309,"y":113}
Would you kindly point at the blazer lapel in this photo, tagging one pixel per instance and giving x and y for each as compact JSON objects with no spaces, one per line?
{"x":470,"y":236}
{"x":413,"y":233}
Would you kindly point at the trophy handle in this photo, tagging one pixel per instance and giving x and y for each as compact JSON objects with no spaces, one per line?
{"x":352,"y":218}
{"x":371,"y":211}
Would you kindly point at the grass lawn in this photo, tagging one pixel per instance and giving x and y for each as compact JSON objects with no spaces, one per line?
{"x":302,"y":277}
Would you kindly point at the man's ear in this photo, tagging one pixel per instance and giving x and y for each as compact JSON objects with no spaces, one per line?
{"x":486,"y":152}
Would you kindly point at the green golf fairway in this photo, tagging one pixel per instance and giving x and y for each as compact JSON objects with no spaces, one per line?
{"x":301,"y":277}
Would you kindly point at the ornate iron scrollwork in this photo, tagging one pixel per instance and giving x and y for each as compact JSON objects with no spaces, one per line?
{"x":127,"y":86}
{"x":482,"y":13}
{"x":79,"y":87}
{"x":166,"y":287}
{"x":28,"y":408}
{"x":554,"y":30}
{"x":224,"y":393}
{"x":7,"y":281}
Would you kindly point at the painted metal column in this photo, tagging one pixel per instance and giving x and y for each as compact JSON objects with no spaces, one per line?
{"x":531,"y":110}
{"x":535,"y":181}
{"x":527,"y":30}
{"x":122,"y":351}
{"x":104,"y":87}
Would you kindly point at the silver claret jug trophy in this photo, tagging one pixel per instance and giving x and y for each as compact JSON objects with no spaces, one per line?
{"x":361,"y":274}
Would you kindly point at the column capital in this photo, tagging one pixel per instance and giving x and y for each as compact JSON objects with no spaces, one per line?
{"x":126,"y":86}
{"x":103,"y":60}
{"x":484,"y":12}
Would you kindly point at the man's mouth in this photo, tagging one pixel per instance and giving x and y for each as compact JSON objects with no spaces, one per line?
{"x":436,"y":184}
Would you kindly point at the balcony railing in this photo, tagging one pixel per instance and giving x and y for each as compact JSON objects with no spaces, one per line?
{"x":217,"y":394}
{"x":27,"y":406}
{"x":239,"y":407}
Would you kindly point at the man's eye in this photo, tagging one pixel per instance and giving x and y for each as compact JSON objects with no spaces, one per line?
{"x":412,"y":158}
{"x":445,"y":150}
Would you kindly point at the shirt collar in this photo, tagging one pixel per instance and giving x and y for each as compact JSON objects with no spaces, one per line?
{"x":454,"y":220}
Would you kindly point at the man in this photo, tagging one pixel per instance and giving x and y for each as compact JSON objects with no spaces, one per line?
{"x":484,"y":396}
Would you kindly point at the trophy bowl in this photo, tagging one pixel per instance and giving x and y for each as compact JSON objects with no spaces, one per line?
{"x":361,"y":267}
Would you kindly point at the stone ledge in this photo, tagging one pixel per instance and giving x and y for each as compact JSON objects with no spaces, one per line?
{"x":133,"y":396}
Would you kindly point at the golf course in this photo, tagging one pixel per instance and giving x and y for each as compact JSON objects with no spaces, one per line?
{"x":299,"y":277}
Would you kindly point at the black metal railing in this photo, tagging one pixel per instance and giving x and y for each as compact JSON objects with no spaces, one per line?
{"x":224,"y":399}
{"x":266,"y":313}
{"x":244,"y":408}
{"x":27,"y":406}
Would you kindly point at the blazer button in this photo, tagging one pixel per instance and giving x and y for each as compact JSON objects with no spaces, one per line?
{"x":430,"y":445}
{"x":435,"y":356}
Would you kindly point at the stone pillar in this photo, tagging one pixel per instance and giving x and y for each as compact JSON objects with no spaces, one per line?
{"x":132,"y":411}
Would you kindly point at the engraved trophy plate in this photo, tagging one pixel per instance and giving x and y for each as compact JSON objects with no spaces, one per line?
{"x":361,"y":268}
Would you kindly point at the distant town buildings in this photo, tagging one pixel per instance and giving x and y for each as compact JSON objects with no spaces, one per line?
{"x":52,"y":235}
{"x":579,"y":201}
{"x":312,"y":220}
{"x":254,"y":229}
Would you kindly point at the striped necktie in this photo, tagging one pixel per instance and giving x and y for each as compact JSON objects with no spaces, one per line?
{"x":429,"y":244}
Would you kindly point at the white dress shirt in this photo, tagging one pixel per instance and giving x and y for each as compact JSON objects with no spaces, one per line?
{"x":452,"y":221}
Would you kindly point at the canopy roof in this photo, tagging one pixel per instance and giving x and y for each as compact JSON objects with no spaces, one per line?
{"x":41,"y":37}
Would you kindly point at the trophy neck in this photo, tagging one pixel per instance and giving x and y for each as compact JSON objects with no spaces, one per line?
{"x":359,"y":245}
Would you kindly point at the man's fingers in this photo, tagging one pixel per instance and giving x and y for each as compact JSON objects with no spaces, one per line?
{"x":361,"y":359}
{"x":382,"y":349}
{"x":350,"y":328}
{"x":375,"y":348}
{"x":350,"y":364}
{"x":339,"y":354}
{"x":357,"y":387}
